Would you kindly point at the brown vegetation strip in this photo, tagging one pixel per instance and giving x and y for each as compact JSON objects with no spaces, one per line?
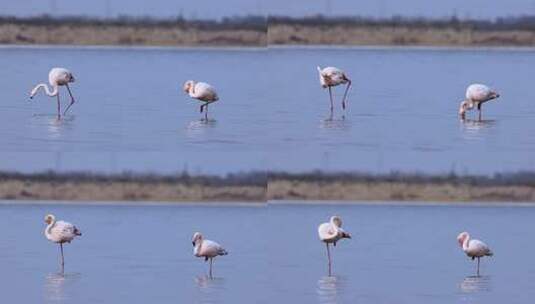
{"x":261,"y":31}
{"x":396,"y":191}
{"x":127,"y":191}
{"x":255,"y":187}
{"x":396,"y":36}
{"x":127,"y":35}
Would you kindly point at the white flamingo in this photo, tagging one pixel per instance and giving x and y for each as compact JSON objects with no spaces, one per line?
{"x":331,"y":77}
{"x":60,"y":232}
{"x":476,"y":95}
{"x":56,"y":77}
{"x":206,"y":248}
{"x":473,"y":248}
{"x":202,"y":92}
{"x":332,"y":232}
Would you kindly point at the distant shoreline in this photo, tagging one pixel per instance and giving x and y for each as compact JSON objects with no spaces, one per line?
{"x":262,"y":187}
{"x":258,"y":31}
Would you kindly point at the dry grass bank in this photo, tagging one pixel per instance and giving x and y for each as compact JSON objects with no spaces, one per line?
{"x":396,"y":191}
{"x":127,"y":35}
{"x":284,"y":34}
{"x":126,"y":187}
{"x":260,"y":31}
{"x":256,"y":187}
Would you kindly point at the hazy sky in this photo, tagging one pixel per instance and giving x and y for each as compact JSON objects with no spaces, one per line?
{"x":219,"y":8}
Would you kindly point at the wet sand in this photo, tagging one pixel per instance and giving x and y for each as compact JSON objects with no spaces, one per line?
{"x":254,"y":188}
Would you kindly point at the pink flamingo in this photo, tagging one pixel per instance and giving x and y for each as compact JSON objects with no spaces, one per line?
{"x":476,"y":95}
{"x":330,"y":233}
{"x":331,"y":77}
{"x":56,"y":77}
{"x":473,"y":248}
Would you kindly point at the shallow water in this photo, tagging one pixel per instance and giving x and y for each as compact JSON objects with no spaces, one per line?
{"x":402,"y":115}
{"x":140,"y":254}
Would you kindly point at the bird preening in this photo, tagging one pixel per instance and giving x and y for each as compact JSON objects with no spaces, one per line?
{"x":56,"y":77}
{"x":475,"y":249}
{"x":331,"y":77}
{"x":60,"y":232}
{"x":331,"y":233}
{"x":476,"y":95}
{"x":206,"y":249}
{"x":203,"y":92}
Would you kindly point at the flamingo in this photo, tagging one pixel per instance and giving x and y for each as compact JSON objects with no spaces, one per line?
{"x":202,"y":92}
{"x":332,"y":232}
{"x":206,"y":248}
{"x":473,"y":248}
{"x":56,"y":77}
{"x":476,"y":94}
{"x":60,"y":232}
{"x":331,"y":77}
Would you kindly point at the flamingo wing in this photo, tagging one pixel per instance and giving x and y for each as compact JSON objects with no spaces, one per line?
{"x":478,"y":92}
{"x":326,"y":232}
{"x":477,"y":248}
{"x":65,"y":231}
{"x":205,"y":92}
{"x":212,"y":249}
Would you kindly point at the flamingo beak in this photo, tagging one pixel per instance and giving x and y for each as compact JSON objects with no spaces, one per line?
{"x":193,"y":244}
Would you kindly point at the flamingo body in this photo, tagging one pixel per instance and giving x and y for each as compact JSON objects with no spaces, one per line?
{"x":206,"y":249}
{"x":331,"y":77}
{"x":56,"y":77}
{"x":476,"y":95}
{"x":60,"y":232}
{"x":473,"y":248}
{"x":203,"y":92}
{"x":60,"y":77}
{"x":330,"y":233}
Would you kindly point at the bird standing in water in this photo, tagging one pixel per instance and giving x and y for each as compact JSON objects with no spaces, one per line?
{"x":206,"y":249}
{"x":56,"y":77}
{"x":331,"y":77}
{"x":330,"y":233}
{"x":202,"y":92}
{"x":473,"y":248}
{"x":60,"y":232}
{"x":476,"y":95}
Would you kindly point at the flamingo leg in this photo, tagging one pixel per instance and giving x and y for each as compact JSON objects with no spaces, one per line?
{"x":72,"y":100}
{"x":478,"y":266}
{"x":59,"y":106}
{"x":331,"y":98}
{"x":62,"y":258}
{"x":211,"y":262}
{"x":206,"y":113}
{"x":479,"y":109}
{"x":345,"y":94}
{"x":329,"y":258}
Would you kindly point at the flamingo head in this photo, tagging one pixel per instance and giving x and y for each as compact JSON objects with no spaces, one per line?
{"x":462,"y":237}
{"x":197,"y":236}
{"x":49,"y":219}
{"x":188,"y":86}
{"x":336,"y":220}
{"x":465,"y":106}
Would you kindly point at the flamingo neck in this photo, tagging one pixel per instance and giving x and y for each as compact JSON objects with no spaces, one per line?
{"x":52,"y":93}
{"x":191,"y":90}
{"x":466,"y":243}
{"x":48,"y":230}
{"x":198,"y":245}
